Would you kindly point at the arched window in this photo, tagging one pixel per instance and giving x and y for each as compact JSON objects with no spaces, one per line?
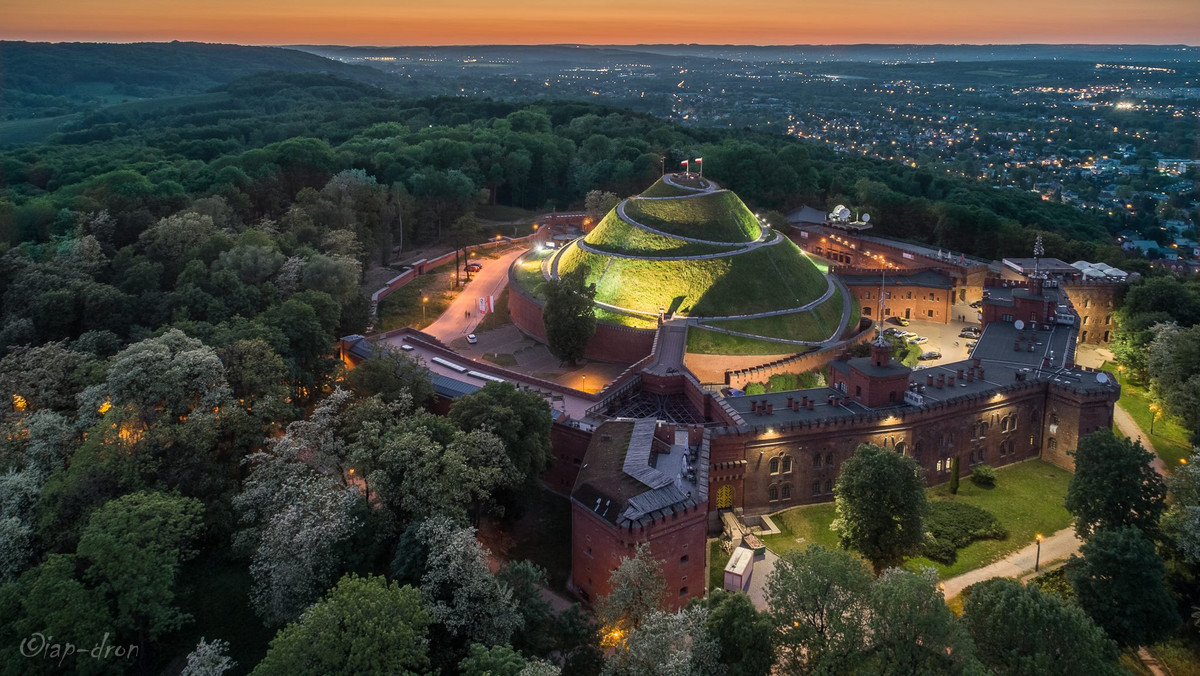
{"x":773,"y":493}
{"x":917,"y":452}
{"x":829,"y":460}
{"x":816,"y":488}
{"x":828,"y":486}
{"x":787,"y":491}
{"x":900,"y":447}
{"x":787,"y":464}
{"x":816,"y":461}
{"x":774,"y":465}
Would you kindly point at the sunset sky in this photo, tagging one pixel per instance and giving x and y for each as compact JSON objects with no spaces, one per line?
{"x":410,"y":22}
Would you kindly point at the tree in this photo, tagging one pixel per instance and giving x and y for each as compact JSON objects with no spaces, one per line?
{"x":1182,"y":520}
{"x":744,"y":635}
{"x":880,"y":504}
{"x":1119,"y":582}
{"x":500,"y":660}
{"x":912,"y":631}
{"x":954,"y":475}
{"x":463,"y":231}
{"x":296,"y":511}
{"x":462,"y":594}
{"x":526,"y":580}
{"x":818,"y":599}
{"x":519,"y":417}
{"x":1114,"y":485}
{"x":667,"y":644}
{"x":598,"y":203}
{"x":1018,"y":630}
{"x":569,"y":315}
{"x":134,"y":547}
{"x":637,"y":589}
{"x":364,"y":625}
{"x":392,"y":374}
{"x":1174,"y":367}
{"x":210,"y":658}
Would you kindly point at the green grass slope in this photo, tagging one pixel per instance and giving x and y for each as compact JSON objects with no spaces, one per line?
{"x":769,"y":278}
{"x":816,"y":324}
{"x":615,"y":235}
{"x":663,"y":189}
{"x":719,"y":216}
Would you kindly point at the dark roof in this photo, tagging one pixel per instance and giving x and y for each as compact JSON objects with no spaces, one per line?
{"x":620,"y":481}
{"x":451,"y":388}
{"x":806,"y":214}
{"x":864,"y":365}
{"x":1050,"y":265}
{"x":929,"y":278}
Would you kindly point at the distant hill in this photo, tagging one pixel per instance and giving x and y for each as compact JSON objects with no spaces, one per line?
{"x":41,"y":79}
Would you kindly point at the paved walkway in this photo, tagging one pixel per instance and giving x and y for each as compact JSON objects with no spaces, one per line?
{"x":463,"y":314}
{"x":1060,"y":545}
{"x":1128,"y":427}
{"x":663,"y":233}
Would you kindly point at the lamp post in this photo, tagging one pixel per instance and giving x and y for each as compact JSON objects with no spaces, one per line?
{"x":1120,"y":372}
{"x":424,"y":304}
{"x":1037,"y":561}
{"x":584,"y":387}
{"x":1155,"y":413}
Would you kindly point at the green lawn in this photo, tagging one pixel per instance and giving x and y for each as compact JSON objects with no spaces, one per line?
{"x":1028,"y":499}
{"x":770,"y":278}
{"x":719,"y":217}
{"x":617,"y":236}
{"x":1170,"y":439}
{"x":528,"y":272}
{"x":703,"y":341}
{"x":660,"y":189}
{"x":717,"y":558}
{"x":816,"y":324}
{"x":403,"y":306}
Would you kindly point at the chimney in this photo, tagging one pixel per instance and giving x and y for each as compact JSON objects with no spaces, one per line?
{"x":928,"y":378}
{"x":960,"y":374}
{"x":789,"y":402}
{"x":810,"y":404}
{"x":971,"y":376}
{"x":804,"y":400}
{"x":950,"y":383}
{"x":980,"y":371}
{"x":770,"y":409}
{"x":753,"y":406}
{"x":1016,"y":346}
{"x":977,"y":361}
{"x":941,"y":380}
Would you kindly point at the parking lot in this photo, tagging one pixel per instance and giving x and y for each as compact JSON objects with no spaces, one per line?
{"x":941,"y":337}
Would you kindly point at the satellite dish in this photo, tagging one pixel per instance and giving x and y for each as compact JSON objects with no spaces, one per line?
{"x":1019,"y":325}
{"x":1102,"y":378}
{"x":866,"y":218}
{"x":844,"y":213}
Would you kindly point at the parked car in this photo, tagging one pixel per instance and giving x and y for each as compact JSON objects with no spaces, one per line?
{"x":918,"y":340}
{"x":901,"y":321}
{"x":971,"y":345}
{"x":472,"y":339}
{"x":977,"y":304}
{"x":969,"y":332}
{"x":474,"y":267}
{"x":932,"y":354}
{"x":891,"y":332}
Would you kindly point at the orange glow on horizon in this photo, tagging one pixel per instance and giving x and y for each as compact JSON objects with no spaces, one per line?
{"x":785,"y":22}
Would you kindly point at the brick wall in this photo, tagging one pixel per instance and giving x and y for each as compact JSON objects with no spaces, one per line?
{"x":1094,"y":302}
{"x":568,"y":444}
{"x":926,"y":303}
{"x":677,"y":542}
{"x":798,"y":363}
{"x":611,"y":343}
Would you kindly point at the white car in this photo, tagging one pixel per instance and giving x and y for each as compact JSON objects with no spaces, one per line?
{"x":918,"y":340}
{"x":472,"y":339}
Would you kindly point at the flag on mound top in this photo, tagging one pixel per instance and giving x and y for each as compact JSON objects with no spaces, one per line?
{"x":684,"y":164}
{"x":700,"y":160}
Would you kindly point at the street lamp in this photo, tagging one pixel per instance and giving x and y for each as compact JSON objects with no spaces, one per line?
{"x":424,"y":304}
{"x":1037,"y":561}
{"x":1120,"y":372}
{"x":584,"y":388}
{"x":1155,"y":414}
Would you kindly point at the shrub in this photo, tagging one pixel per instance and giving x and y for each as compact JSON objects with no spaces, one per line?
{"x":983,"y":476}
{"x":756,"y":388}
{"x":950,"y":526}
{"x":781,"y":382}
{"x":1055,"y":583}
{"x":810,"y":379}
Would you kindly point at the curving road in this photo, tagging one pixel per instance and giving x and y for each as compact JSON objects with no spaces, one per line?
{"x":463,"y":314}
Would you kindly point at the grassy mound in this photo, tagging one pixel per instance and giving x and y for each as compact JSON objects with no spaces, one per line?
{"x":719,"y":216}
{"x":663,"y":189}
{"x":703,"y":341}
{"x":615,"y":235}
{"x":769,"y":278}
{"x":816,"y":324}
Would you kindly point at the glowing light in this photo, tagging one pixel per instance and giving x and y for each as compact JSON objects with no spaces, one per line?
{"x":19,"y":402}
{"x":105,"y":407}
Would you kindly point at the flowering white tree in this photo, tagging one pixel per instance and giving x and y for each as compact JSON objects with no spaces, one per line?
{"x":210,"y":658}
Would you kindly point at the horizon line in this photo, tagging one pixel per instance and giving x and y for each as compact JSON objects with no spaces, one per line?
{"x":612,"y":44}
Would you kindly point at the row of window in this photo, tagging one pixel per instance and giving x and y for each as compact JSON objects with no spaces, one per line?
{"x":783,"y":464}
{"x":779,"y":492}
{"x":888,"y":295}
{"x":887,"y":311}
